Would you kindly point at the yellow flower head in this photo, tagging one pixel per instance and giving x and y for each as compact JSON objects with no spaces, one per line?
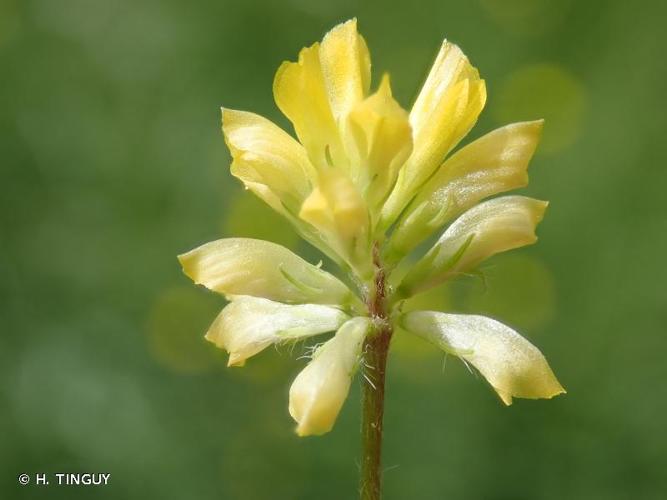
{"x":365,"y":182}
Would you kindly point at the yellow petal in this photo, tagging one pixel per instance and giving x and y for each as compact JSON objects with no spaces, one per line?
{"x":300,"y":93}
{"x":450,"y":67}
{"x":494,"y":163}
{"x":513,"y":366}
{"x":487,"y":229}
{"x":319,"y":391}
{"x":245,"y":266}
{"x":250,"y":324}
{"x":266,"y":159}
{"x":316,"y":92}
{"x":379,"y":140}
{"x":445,"y":110}
{"x":273,"y":166}
{"x":337,"y":210}
{"x":346,"y":67}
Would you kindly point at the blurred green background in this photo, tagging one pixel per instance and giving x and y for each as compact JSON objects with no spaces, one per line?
{"x":111,"y":163}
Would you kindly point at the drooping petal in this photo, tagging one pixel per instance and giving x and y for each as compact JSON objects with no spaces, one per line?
{"x":494,"y":163}
{"x":300,"y":93}
{"x":513,"y":366}
{"x":267,"y":160}
{"x":337,"y":210}
{"x":379,"y":140}
{"x":447,"y":107}
{"x":245,"y":266}
{"x":489,"y":228}
{"x":250,"y":324}
{"x":319,"y":391}
{"x":346,"y":67}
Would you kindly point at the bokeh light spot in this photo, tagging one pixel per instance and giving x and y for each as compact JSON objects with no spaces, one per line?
{"x":518,"y":289}
{"x":409,"y":350}
{"x":248,"y":217}
{"x":176,"y":327}
{"x":273,"y":362}
{"x":543,"y":91}
{"x":9,"y":20}
{"x":527,"y":17}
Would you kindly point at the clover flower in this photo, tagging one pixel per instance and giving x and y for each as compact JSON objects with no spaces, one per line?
{"x":366,"y":182}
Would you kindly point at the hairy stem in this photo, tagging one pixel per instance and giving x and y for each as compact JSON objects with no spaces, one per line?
{"x":376,"y":349}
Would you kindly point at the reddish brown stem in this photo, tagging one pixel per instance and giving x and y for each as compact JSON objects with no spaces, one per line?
{"x":376,"y":348}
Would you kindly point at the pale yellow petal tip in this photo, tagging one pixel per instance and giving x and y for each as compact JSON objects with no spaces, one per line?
{"x":280,"y":73}
{"x":556,"y":392}
{"x":538,"y":125}
{"x":224,"y":114}
{"x":303,"y":430}
{"x":190,"y":267}
{"x":535,"y":127}
{"x":228,"y":116}
{"x":385,"y":85}
{"x":545,"y":205}
{"x":210,"y":336}
{"x":300,"y":432}
{"x":345,"y":29}
{"x":350,"y":24}
{"x":235,"y":360}
{"x":187,"y":265}
{"x":506,"y":398}
{"x":286,"y":65}
{"x":539,"y":209}
{"x":447,"y":44}
{"x":305,"y":425}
